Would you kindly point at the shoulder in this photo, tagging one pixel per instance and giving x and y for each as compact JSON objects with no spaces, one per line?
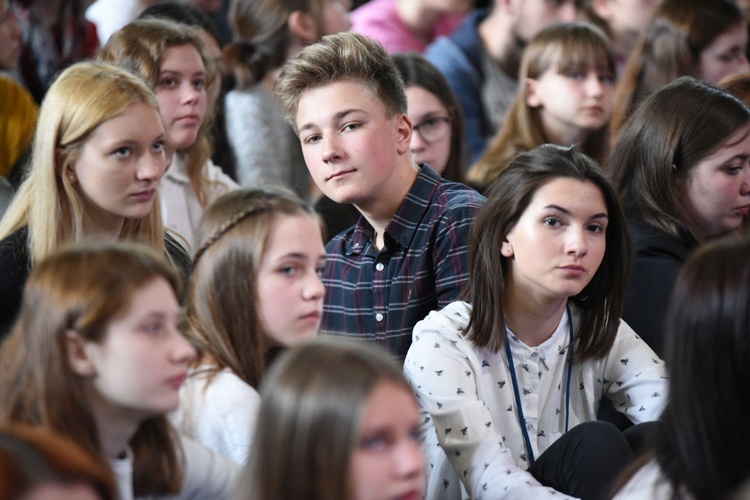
{"x":206,"y":475}
{"x":452,"y":201}
{"x":219,"y":182}
{"x":227,"y":389}
{"x":447,"y":324}
{"x":14,"y":252}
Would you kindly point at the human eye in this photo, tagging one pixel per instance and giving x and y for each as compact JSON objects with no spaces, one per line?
{"x":153,"y":328}
{"x":607,"y":78}
{"x":311,"y":139}
{"x":319,"y":271}
{"x":596,"y":228}
{"x":373,"y":442}
{"x":415,"y":434}
{"x":167,"y":82}
{"x":574,"y":75}
{"x":734,"y":169}
{"x":199,"y":83}
{"x":122,"y":153}
{"x":351,"y":126}
{"x":158,"y":146}
{"x":288,"y":270}
{"x":552,"y":221}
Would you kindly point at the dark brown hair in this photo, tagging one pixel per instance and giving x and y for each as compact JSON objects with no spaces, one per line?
{"x":600,"y":302}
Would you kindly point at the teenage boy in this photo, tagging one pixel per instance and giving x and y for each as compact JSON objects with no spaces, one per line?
{"x":407,"y":254}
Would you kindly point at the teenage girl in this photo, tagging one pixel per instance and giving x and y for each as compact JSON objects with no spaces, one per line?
{"x":510,"y":381}
{"x":255,"y":287}
{"x":97,"y":356}
{"x":98,"y":157}
{"x":338,"y":421}
{"x":170,"y":58}
{"x":565,"y":97}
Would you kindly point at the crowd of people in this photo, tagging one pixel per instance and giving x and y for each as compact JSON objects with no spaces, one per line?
{"x":374,"y":250}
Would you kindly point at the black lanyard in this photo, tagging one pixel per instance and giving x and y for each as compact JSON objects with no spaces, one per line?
{"x":521,"y":418}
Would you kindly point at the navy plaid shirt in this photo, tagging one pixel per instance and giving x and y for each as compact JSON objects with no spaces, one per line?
{"x":380,"y":295}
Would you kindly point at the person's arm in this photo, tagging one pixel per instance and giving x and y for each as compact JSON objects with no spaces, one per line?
{"x":444,"y":374}
{"x":636,"y":378}
{"x":205,"y":474}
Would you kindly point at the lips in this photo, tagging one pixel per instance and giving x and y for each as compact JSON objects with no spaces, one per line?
{"x":191,"y":119}
{"x":177,"y":381}
{"x":144,"y":195}
{"x":339,"y":175}
{"x":574,"y":269}
{"x":744,"y":210}
{"x":311,"y":316}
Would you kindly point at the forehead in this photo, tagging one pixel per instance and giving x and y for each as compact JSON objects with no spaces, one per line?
{"x":570,"y":194}
{"x":327,"y":102}
{"x":181,"y":56}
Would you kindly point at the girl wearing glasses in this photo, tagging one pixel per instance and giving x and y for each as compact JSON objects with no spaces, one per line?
{"x":438,"y":135}
{"x":565,"y":97}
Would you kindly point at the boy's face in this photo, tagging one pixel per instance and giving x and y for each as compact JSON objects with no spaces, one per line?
{"x":351,"y":147}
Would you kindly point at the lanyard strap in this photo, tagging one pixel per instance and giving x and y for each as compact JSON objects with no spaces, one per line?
{"x":517,"y":394}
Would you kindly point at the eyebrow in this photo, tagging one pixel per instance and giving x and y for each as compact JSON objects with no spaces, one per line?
{"x":602,"y":215}
{"x":337,"y":118}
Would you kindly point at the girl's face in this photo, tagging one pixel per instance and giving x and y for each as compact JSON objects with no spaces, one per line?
{"x":119,"y":166}
{"x":716,"y":193}
{"x":335,"y":18}
{"x":724,"y":56}
{"x":572,"y":105}
{"x":387,"y":461}
{"x":136,"y":370}
{"x":181,"y":91}
{"x":431,"y":134}
{"x":559,"y":241}
{"x":290,"y":289}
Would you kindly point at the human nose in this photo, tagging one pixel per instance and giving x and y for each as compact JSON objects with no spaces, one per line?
{"x":331,"y":148}
{"x":191,"y":94}
{"x":409,"y":460}
{"x":151,"y":168}
{"x":576,"y":243}
{"x":182,"y":351}
{"x":594,"y":86}
{"x":313,"y":288}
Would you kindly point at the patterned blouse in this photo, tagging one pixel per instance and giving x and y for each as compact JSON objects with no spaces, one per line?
{"x":473,"y":439}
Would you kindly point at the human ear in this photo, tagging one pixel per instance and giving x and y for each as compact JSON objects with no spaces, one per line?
{"x":506,"y":249}
{"x":78,"y":358}
{"x":61,"y":168}
{"x":303,"y":27}
{"x":533,"y":99}
{"x":403,"y":133}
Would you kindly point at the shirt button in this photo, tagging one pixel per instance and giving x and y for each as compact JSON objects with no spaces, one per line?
{"x":379,"y":266}
{"x":378,"y":317}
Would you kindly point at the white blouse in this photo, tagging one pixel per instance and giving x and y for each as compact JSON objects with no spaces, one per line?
{"x":649,"y":482}
{"x":474,"y":443}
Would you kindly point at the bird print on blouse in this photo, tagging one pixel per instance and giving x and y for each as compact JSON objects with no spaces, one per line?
{"x":473,"y":438}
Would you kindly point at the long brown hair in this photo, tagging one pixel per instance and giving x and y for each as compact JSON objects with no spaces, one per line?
{"x":222,"y":303}
{"x":669,"y":48}
{"x":82,"y":289}
{"x":311,"y":411}
{"x":600,"y":302}
{"x":139,"y":47}
{"x":563,"y":48}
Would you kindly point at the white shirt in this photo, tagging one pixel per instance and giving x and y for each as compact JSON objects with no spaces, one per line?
{"x":466,"y":394}
{"x":205,"y":475}
{"x":220,"y":415}
{"x":180,"y":208}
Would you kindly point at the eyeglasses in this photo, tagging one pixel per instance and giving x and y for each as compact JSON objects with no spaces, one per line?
{"x":434,"y":128}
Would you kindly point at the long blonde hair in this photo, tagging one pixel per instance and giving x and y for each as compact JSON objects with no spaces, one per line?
{"x":83,"y":97}
{"x":561,"y":47}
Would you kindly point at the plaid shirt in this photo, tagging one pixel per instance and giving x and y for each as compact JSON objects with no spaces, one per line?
{"x":380,"y":295}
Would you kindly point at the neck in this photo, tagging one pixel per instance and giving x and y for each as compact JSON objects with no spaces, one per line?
{"x":532,"y":321}
{"x":380,"y":211}
{"x":565,"y":136}
{"x":418,"y":18}
{"x":115,"y":430}
{"x":498,"y":38}
{"x":102,"y":230}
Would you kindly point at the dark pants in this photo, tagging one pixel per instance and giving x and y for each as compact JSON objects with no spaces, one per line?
{"x":586,"y":461}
